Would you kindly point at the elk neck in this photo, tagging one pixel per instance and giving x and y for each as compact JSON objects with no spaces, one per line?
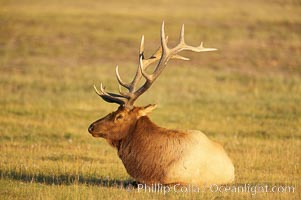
{"x":139,"y":127}
{"x":142,"y":127}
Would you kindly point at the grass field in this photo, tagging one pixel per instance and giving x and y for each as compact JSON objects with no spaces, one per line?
{"x":246,"y":95}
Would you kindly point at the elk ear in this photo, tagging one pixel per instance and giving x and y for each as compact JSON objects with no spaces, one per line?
{"x":147,"y":109}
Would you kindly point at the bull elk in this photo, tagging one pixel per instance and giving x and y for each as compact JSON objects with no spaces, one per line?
{"x":152,"y":154}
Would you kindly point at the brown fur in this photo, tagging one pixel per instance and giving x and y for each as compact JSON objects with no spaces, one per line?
{"x":152,"y":154}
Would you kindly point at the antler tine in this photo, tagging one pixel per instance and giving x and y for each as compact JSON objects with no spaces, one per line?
{"x":141,"y":49}
{"x":182,"y":39}
{"x":96,"y":90}
{"x":143,"y":72}
{"x":103,"y":90}
{"x":109,"y":94}
{"x":138,"y":73}
{"x":120,"y":80}
{"x":145,"y":86}
{"x":125,"y":95}
{"x":109,"y":97}
{"x":163,"y":38}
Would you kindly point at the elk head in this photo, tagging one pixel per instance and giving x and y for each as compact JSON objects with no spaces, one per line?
{"x":116,"y":125}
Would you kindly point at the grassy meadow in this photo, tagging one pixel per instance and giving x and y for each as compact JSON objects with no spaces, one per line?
{"x":246,"y":96}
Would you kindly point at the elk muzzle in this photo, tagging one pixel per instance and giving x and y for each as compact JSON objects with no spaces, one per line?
{"x":94,"y":130}
{"x":91,"y":128}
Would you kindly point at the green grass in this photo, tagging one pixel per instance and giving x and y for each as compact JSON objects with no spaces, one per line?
{"x":246,"y":95}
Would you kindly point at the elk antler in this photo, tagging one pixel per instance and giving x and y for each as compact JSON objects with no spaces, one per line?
{"x":163,"y":54}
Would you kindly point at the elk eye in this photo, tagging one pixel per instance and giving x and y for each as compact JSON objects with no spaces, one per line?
{"x":119,"y":117}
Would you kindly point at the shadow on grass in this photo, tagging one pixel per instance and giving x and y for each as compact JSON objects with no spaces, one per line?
{"x":68,"y":179}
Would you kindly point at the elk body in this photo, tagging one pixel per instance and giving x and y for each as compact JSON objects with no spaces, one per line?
{"x":152,"y":154}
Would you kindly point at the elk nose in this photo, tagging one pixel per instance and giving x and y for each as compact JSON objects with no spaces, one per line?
{"x":90,"y":129}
